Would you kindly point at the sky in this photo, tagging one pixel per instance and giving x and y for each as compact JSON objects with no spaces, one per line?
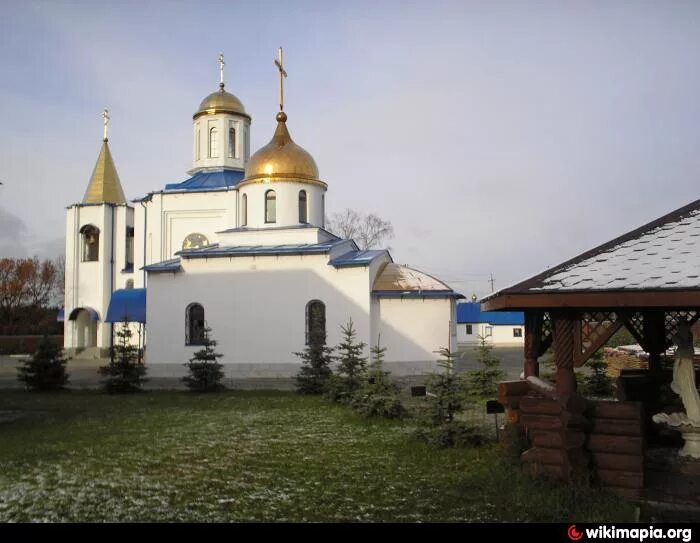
{"x":499,"y":138}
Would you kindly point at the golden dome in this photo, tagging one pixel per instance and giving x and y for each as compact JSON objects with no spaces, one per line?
{"x":282,"y":159}
{"x":220,"y":102}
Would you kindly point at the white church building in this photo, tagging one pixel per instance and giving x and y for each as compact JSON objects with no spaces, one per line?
{"x":241,"y":246}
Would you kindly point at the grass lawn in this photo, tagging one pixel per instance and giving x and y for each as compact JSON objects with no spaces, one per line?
{"x":253,"y":456}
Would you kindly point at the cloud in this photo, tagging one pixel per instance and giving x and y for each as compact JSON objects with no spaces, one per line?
{"x":13,"y":235}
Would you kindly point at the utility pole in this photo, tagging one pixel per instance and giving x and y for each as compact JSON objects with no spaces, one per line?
{"x":491,"y":281}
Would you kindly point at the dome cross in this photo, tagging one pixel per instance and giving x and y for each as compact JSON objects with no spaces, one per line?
{"x":222,"y":63}
{"x":283,"y":74}
{"x":105,"y":120}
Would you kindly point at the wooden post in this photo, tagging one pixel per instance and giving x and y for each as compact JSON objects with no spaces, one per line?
{"x":564,"y":352}
{"x":575,"y":461}
{"x":533,"y":338}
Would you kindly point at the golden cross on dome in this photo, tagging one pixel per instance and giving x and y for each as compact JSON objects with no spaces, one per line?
{"x":283,"y":74}
{"x":105,"y":120}
{"x":221,"y":70}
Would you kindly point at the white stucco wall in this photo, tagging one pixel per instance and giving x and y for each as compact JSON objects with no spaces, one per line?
{"x":287,"y":202}
{"x":256,"y":307}
{"x":412,"y":329}
{"x":498,"y":335}
{"x":90,"y":284}
{"x":173,"y":216}
{"x":222,"y":122}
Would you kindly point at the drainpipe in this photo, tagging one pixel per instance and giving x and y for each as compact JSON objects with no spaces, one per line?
{"x":111,"y":279}
{"x":145,"y":235}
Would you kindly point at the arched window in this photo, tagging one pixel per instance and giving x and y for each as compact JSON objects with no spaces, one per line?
{"x":90,"y":236}
{"x":194,"y":324}
{"x":270,"y":206}
{"x":213,"y":150}
{"x":232,"y":142}
{"x":198,"y":143}
{"x":323,"y":210}
{"x":244,"y":210}
{"x":129,"y":247}
{"x":303,"y":208}
{"x":315,"y":322}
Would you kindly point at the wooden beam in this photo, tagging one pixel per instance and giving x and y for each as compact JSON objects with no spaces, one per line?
{"x":582,"y":357}
{"x":629,"y":299}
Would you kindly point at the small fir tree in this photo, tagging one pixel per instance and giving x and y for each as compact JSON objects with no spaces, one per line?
{"x":379,"y":397}
{"x":351,"y":372}
{"x":446,"y":389}
{"x":205,"y":370}
{"x":598,"y":383}
{"x":483,"y":382}
{"x":46,"y":369}
{"x":125,"y":371}
{"x":315,"y":370}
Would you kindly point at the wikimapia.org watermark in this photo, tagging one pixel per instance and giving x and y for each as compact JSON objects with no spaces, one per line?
{"x":634,"y":534}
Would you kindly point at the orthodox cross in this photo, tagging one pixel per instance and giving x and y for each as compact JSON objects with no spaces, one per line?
{"x":105,"y":120}
{"x":283,"y":74}
{"x":221,"y":70}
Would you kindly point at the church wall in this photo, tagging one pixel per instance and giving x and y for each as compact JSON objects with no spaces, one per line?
{"x":171,"y":217}
{"x":427,"y":322}
{"x":287,"y":202}
{"x":256,"y":307}
{"x":275,"y":236}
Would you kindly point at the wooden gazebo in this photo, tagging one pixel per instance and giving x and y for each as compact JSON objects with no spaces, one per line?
{"x":647,"y":280}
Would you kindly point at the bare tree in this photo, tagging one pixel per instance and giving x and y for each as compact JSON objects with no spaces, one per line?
{"x":368,"y":231}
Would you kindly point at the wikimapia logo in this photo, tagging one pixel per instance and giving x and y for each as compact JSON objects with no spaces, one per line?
{"x":632,"y":534}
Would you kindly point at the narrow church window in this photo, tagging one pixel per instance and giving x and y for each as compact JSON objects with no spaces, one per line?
{"x":198,"y":142}
{"x":469,"y":330}
{"x":213,"y":151}
{"x":129,"y":247}
{"x":315,"y":321}
{"x":129,"y":283}
{"x":270,"y":206}
{"x":232,"y":142}
{"x":323,"y":210}
{"x":91,"y":242}
{"x":244,"y":210}
{"x":194,"y":324}
{"x":517,"y":332}
{"x":303,"y":213}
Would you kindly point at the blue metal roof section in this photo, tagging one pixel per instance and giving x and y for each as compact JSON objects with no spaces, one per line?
{"x":261,"y":250}
{"x":209,"y":180}
{"x":127,"y":305}
{"x":356,"y":258}
{"x":417,"y":294}
{"x":167,"y":266}
{"x":471,"y":313}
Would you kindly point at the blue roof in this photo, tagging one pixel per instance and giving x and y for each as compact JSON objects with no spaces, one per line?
{"x":356,"y":258}
{"x":167,"y":266}
{"x":127,"y":304}
{"x":470,"y":312}
{"x":262,"y":250}
{"x":205,"y":180}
